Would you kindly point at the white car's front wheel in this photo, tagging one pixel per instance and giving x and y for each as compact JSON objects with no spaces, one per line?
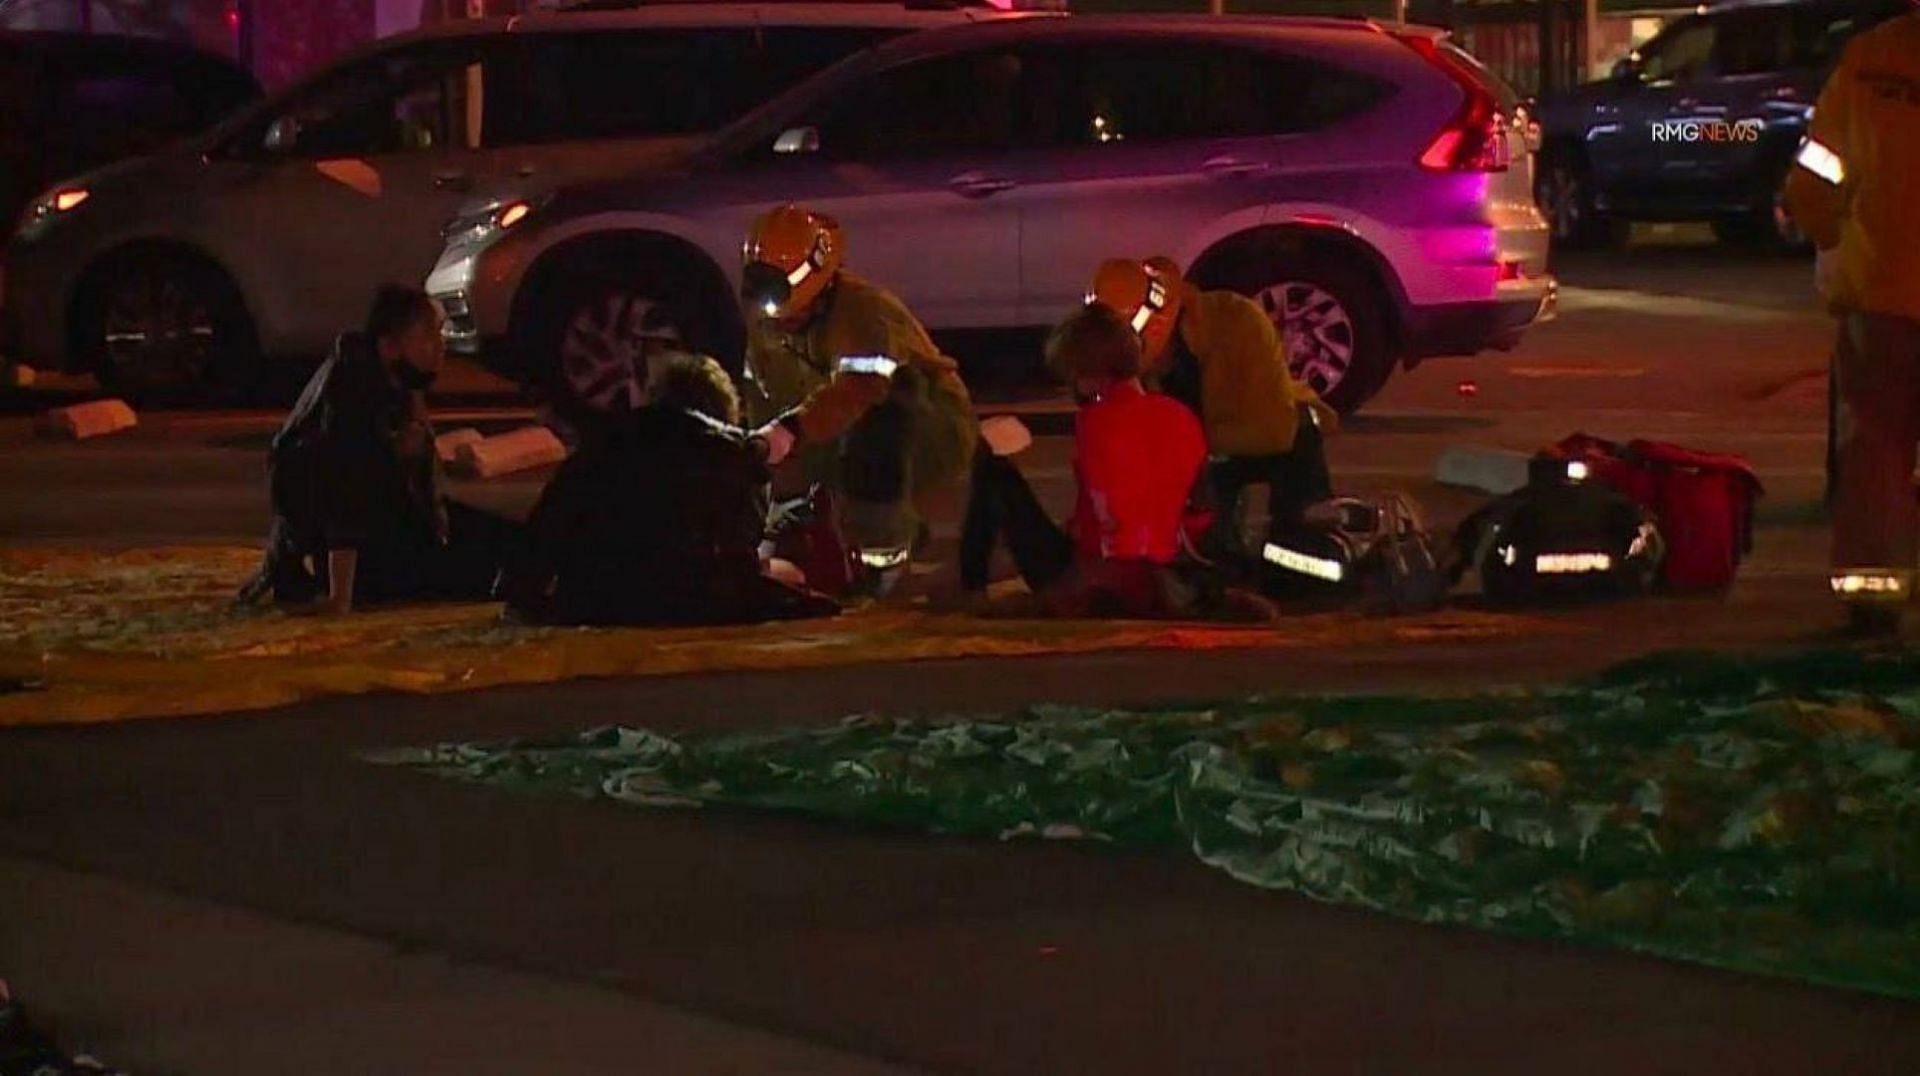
{"x":160,"y":325}
{"x":600,"y":321}
{"x":608,"y":344}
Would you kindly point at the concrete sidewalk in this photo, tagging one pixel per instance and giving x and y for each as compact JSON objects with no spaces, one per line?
{"x":155,"y":983}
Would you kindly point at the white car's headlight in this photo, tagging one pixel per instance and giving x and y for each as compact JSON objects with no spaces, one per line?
{"x":57,"y":202}
{"x":479,"y":227}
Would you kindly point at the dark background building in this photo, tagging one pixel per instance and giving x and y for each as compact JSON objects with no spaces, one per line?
{"x":1537,"y":45}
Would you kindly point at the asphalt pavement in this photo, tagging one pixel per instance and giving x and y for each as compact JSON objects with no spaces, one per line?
{"x":421,"y":916}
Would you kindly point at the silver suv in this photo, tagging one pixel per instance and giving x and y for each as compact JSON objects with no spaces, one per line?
{"x":269,"y":234}
{"x":1371,"y":185}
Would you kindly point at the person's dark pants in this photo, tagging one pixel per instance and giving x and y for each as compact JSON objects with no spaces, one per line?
{"x":1295,"y":481}
{"x":1876,"y":528}
{"x":1833,"y":419}
{"x":1002,"y":505}
{"x":915,"y":441}
{"x":412,"y":566}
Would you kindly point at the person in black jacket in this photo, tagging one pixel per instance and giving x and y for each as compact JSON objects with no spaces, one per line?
{"x":355,"y":480}
{"x":658,"y":518}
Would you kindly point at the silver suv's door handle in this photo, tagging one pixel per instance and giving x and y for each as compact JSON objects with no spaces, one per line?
{"x":980,"y":184}
{"x":452,"y":181}
{"x":1232,"y":166}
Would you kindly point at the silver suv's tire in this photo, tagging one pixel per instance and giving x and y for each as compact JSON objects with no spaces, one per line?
{"x":1331,"y":318}
{"x":1318,"y":331}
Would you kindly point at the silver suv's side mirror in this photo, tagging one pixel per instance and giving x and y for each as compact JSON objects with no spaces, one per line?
{"x":795,"y":140}
{"x":282,"y":135}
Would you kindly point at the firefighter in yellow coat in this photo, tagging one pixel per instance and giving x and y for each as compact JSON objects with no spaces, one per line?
{"x":1855,"y":189}
{"x":842,"y":375}
{"x":1219,"y":353}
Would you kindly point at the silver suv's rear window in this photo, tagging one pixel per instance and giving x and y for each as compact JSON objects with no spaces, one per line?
{"x":1182,"y":90}
{"x":1489,"y":79}
{"x":1089,"y":91}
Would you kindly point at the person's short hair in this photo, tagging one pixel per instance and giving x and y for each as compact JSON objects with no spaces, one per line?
{"x":396,"y":309}
{"x":694,"y":383}
{"x":1094,"y":344}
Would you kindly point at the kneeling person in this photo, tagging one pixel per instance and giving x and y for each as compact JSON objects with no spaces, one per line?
{"x":658,"y":518}
{"x":1218,"y":353}
{"x":355,"y":480}
{"x":843,"y":375}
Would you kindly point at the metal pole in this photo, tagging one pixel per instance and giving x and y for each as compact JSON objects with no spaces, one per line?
{"x":86,"y":16}
{"x":1590,"y":47}
{"x":1216,"y":7}
{"x":1550,"y":46}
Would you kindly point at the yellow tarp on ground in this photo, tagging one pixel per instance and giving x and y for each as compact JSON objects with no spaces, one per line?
{"x":93,"y":636}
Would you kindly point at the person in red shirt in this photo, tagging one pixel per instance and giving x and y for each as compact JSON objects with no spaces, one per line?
{"x":1138,"y":455}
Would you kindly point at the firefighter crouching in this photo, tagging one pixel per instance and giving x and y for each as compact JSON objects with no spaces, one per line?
{"x":1219,"y":353}
{"x":1853,"y":191}
{"x":842,"y":376}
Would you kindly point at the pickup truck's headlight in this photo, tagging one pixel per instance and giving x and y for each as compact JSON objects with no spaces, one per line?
{"x":479,"y":227}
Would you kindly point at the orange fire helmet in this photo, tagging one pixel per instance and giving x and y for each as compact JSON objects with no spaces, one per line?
{"x":1146,"y":295}
{"x":790,"y":257}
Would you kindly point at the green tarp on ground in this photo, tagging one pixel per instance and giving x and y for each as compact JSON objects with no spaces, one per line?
{"x":1758,"y":814}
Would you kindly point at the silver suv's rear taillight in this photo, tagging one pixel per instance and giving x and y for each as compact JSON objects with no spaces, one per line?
{"x":1475,"y":140}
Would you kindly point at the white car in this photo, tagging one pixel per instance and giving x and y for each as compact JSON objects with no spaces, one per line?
{"x":267,"y":237}
{"x":1371,"y":185}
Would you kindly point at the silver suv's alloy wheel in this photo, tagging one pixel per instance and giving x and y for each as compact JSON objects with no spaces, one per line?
{"x":157,"y":332}
{"x":604,"y":354}
{"x":1317,"y":330}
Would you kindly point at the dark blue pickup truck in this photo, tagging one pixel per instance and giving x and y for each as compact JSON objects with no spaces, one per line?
{"x":1699,"y":123}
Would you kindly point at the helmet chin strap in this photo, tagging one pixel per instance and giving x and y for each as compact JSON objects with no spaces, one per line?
{"x":1155,"y":302}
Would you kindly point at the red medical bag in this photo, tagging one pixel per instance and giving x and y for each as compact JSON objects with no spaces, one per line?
{"x":1704,"y":502}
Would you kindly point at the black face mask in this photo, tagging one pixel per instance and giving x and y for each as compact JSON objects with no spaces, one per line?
{"x":413,"y":378}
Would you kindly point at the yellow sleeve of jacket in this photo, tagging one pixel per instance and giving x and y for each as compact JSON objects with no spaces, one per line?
{"x":868,"y":320}
{"x":1868,"y":119}
{"x":1248,"y":396}
{"x":1817,"y":203}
